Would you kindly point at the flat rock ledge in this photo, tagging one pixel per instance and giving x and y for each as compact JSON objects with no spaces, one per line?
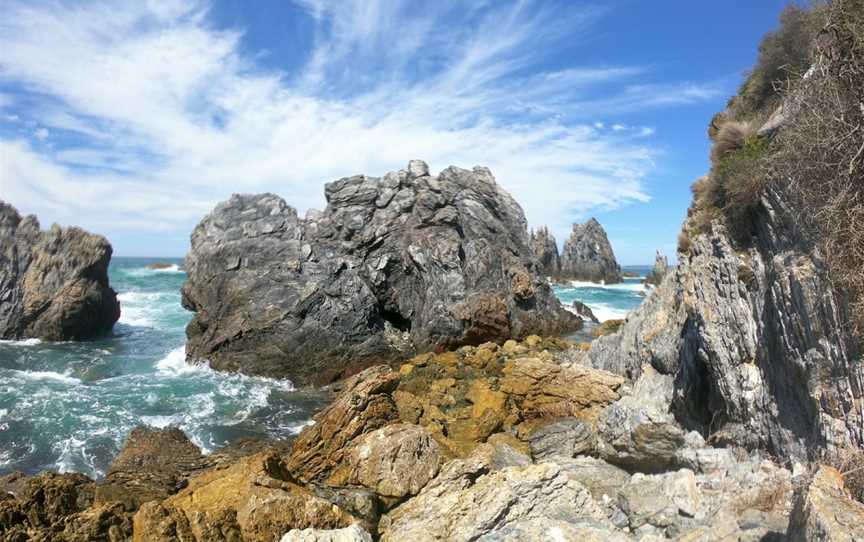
{"x":405,"y":263}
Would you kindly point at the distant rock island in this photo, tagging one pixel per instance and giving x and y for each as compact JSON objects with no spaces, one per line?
{"x":54,"y":283}
{"x":586,"y":256}
{"x":394,"y":265}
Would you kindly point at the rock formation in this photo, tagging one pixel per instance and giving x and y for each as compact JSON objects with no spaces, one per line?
{"x":545,"y":248}
{"x":587,"y":255}
{"x":393,"y":265}
{"x":754,"y":338}
{"x":661,"y":267}
{"x":53,"y":284}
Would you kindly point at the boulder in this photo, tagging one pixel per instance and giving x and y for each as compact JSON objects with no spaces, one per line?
{"x":568,"y":437}
{"x":349,"y":534}
{"x":253,"y":500}
{"x":53,"y":284}
{"x":545,"y":249}
{"x":662,"y":503}
{"x":587,"y":255}
{"x":584,"y":312}
{"x":825,"y":511}
{"x":394,"y":461}
{"x":472,"y":499}
{"x":152,"y":465}
{"x":363,"y":405}
{"x":394,"y":265}
{"x":639,"y":432}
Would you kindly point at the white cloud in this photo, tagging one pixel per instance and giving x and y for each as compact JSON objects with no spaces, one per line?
{"x":618,"y":127}
{"x":169,"y":116}
{"x":41,"y":134}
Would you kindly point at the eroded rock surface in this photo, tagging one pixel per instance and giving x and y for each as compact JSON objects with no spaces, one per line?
{"x":545,"y":249}
{"x":54,"y":283}
{"x":826,"y":512}
{"x":393,"y":265}
{"x":755,"y":339}
{"x":587,"y":255}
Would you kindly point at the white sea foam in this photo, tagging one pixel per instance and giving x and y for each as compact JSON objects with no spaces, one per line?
{"x":622,"y":286}
{"x":22,"y":342}
{"x":49,"y":376}
{"x":605,"y":312}
{"x":173,"y":268}
{"x":174,"y":364}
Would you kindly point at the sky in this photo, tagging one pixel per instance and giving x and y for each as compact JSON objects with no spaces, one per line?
{"x":133,"y":119}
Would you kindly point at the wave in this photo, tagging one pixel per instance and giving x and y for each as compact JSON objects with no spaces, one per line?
{"x":49,"y":376}
{"x":621,"y":286}
{"x":175,"y":364}
{"x":21,"y":342}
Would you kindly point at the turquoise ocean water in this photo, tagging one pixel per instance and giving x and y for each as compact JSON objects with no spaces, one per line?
{"x":69,"y":406}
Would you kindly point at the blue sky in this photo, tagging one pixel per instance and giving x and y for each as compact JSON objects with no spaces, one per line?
{"x":132,"y":119}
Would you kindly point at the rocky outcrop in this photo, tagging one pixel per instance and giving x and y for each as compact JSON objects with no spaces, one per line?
{"x":825,"y":512}
{"x":658,"y":272}
{"x":545,"y":249}
{"x":393,"y":265}
{"x":587,"y":255}
{"x":754,"y":337}
{"x":253,"y":500}
{"x":54,"y":283}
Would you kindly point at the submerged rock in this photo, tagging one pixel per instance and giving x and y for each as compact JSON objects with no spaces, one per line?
{"x":587,"y":255}
{"x":54,"y":283}
{"x":393,"y":265}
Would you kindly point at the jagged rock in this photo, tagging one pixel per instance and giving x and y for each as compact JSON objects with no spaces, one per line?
{"x":42,"y":505}
{"x":587,"y":255}
{"x":394,"y":461}
{"x":407,"y":262}
{"x":363,"y":405}
{"x":545,"y":249}
{"x":252,"y":500}
{"x":584,"y":312}
{"x":660,"y":502}
{"x":153,"y":464}
{"x":53,"y":284}
{"x":658,"y":272}
{"x":639,"y":431}
{"x":755,"y":338}
{"x":826,"y":512}
{"x":107,"y":522}
{"x":602,"y":479}
{"x":568,"y":438}
{"x":469,"y":500}
{"x":349,"y":534}
{"x":544,"y":389}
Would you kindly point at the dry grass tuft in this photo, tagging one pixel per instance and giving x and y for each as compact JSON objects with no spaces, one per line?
{"x":850,"y":463}
{"x":731,"y":136}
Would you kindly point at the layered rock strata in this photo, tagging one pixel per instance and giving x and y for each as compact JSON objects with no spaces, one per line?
{"x":587,"y":255}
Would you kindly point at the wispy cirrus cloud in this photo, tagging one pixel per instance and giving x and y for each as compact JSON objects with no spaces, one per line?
{"x":150,"y":114}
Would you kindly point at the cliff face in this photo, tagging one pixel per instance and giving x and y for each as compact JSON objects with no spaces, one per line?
{"x":53,"y":284}
{"x":755,"y":338}
{"x":407,"y":262}
{"x":587,"y":255}
{"x":545,"y":248}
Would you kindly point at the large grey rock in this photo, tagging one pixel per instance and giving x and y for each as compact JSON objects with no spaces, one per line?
{"x":587,"y":255}
{"x":565,"y":438}
{"x":53,"y":284}
{"x":403,"y":263}
{"x":545,"y":248}
{"x":638,"y":431}
{"x":756,"y":339}
{"x":825,"y":511}
{"x":483,"y":505}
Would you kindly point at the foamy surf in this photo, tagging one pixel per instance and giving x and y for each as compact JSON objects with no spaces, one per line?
{"x":21,"y":342}
{"x":48,"y":376}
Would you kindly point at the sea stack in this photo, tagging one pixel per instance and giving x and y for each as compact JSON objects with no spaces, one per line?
{"x":408,"y":262}
{"x":54,"y":283}
{"x":659,"y":271}
{"x":545,"y":248}
{"x":588,"y":256}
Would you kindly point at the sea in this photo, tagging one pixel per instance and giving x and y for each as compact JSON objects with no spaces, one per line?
{"x":68,"y":406}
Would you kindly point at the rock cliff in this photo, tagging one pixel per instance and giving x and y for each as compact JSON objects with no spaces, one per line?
{"x":755,"y":338}
{"x":545,"y":248}
{"x":54,"y":283}
{"x":403,"y":263}
{"x":587,"y":255}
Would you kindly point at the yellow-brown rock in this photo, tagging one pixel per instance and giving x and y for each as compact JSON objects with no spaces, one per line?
{"x":252,"y":500}
{"x":364,"y":404}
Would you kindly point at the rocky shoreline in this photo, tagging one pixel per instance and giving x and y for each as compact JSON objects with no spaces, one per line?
{"x":512,"y":442}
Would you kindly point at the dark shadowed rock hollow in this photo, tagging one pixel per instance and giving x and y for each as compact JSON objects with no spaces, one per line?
{"x":54,"y":283}
{"x":587,"y":255}
{"x":398,"y":264}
